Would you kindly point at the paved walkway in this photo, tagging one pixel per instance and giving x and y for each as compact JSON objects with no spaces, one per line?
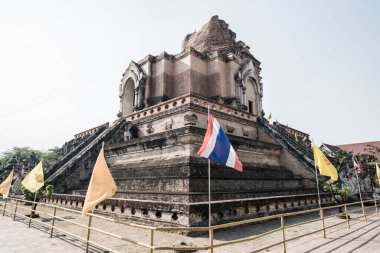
{"x":362,"y":237}
{"x":17,"y":237}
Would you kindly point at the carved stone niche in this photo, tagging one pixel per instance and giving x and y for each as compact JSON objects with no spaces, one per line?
{"x":230,"y":129}
{"x":243,"y":107}
{"x":131,"y":131}
{"x":230,"y":101}
{"x":245,"y":132}
{"x":169,"y":124}
{"x":190,"y":119}
{"x":149,"y":128}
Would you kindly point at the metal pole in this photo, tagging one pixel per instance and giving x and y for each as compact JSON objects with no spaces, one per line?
{"x":283,"y":233}
{"x":5,"y":205}
{"x":31,"y":211}
{"x":323,"y":223}
{"x":211,"y":235}
{"x":14,"y":214}
{"x":317,"y":182}
{"x":209,"y":179}
{"x":209,"y":194}
{"x":52,"y":222}
{"x":377,"y":213}
{"x":360,"y":195}
{"x":347,"y":218}
{"x":151,"y":241}
{"x":88,"y":232}
{"x":319,"y":203}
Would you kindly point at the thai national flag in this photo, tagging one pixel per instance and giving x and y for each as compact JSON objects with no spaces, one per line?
{"x":357,"y":166}
{"x":217,"y":147}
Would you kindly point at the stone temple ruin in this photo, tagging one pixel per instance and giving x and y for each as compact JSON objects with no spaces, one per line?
{"x":151,"y":148}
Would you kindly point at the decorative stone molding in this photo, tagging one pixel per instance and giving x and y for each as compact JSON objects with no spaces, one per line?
{"x":176,"y":214}
{"x":169,"y":124}
{"x":192,"y":100}
{"x":149,"y":128}
{"x":245,"y":132}
{"x":230,"y":129}
{"x":190,"y":119}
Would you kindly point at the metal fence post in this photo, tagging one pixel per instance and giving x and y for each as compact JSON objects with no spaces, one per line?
{"x":52,"y":222}
{"x":347,"y":218}
{"x":283,"y":233}
{"x":364,"y":214}
{"x":377,"y":213}
{"x":323,"y":223}
{"x":5,"y":205}
{"x":151,"y":240}
{"x":211,"y":235}
{"x":15,"y":211}
{"x":88,"y":232}
{"x":31,"y":214}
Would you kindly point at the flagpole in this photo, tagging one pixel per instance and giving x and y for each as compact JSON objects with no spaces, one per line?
{"x":209,"y":179}
{"x":319,"y":196}
{"x":317,"y":181}
{"x":32,"y":210}
{"x":360,"y":193}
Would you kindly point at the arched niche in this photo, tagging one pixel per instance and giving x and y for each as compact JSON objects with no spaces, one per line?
{"x":132,"y":90}
{"x":249,"y":88}
{"x":128,"y":99}
{"x":251,"y":96}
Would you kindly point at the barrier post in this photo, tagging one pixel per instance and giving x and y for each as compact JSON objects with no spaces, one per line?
{"x":323,"y":223}
{"x":5,"y":205}
{"x":283,"y":233}
{"x":31,"y":213}
{"x":15,"y":211}
{"x":88,"y":232}
{"x":364,"y":214}
{"x":377,"y":213}
{"x":151,"y":240}
{"x":211,"y":235}
{"x":347,"y":218}
{"x":52,"y":222}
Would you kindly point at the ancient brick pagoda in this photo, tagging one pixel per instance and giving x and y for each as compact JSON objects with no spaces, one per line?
{"x":151,"y":149}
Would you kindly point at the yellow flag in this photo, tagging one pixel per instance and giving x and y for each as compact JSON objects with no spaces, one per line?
{"x":35,"y":179}
{"x":324,"y":165}
{"x":378,"y":172}
{"x":101,"y":187}
{"x":6,"y":185}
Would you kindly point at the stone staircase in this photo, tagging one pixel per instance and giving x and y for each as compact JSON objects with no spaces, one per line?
{"x":300,"y":150}
{"x":88,"y":145}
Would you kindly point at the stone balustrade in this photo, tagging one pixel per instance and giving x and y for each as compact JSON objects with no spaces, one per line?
{"x":189,"y":99}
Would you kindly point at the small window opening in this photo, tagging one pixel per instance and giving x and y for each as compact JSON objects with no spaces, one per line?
{"x":250,"y":106}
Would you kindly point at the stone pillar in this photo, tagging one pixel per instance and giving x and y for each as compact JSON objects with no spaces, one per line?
{"x":140,"y":102}
{"x":135,"y":104}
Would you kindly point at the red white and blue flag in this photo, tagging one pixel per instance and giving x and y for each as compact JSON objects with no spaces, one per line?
{"x":217,"y":147}
{"x":357,"y":166}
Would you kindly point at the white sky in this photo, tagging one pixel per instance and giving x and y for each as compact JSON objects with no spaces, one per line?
{"x":61,"y":61}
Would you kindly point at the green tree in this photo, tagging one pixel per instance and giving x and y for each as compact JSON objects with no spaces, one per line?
{"x":340,"y":195}
{"x":37,"y":196}
{"x":22,"y":154}
{"x":51,"y":156}
{"x":373,"y":150}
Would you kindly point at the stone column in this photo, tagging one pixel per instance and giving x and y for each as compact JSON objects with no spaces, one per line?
{"x":135,"y":102}
{"x":140,"y":102}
